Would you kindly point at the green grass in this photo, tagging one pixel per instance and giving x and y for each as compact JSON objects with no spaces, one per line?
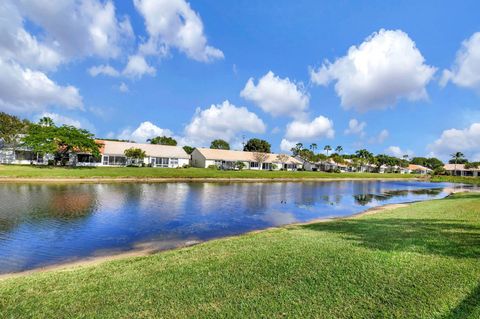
{"x":457,"y":179}
{"x":421,"y":261}
{"x":148,"y":172}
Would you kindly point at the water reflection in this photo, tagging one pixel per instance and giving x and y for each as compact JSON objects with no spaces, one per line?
{"x":45,"y":224}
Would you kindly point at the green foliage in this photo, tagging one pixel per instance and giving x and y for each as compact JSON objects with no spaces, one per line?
{"x":188,"y":149}
{"x":239,"y":165}
{"x":339,"y":149}
{"x":257,"y":145}
{"x":11,"y":127}
{"x":163,"y":140}
{"x":135,"y":153}
{"x":220,"y":144}
{"x":472,"y":165}
{"x":213,"y":166}
{"x":327,"y":149}
{"x":431,"y":162}
{"x":458,"y":158}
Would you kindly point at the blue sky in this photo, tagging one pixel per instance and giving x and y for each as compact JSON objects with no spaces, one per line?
{"x":400,"y":78}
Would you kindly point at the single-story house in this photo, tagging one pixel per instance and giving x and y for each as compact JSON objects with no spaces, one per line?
{"x":418,"y":169}
{"x":460,"y":170}
{"x":113,"y":154}
{"x":227,"y":159}
{"x":10,"y":154}
{"x":324,"y":166}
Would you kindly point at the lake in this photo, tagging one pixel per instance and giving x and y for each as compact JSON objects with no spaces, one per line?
{"x":45,"y":224}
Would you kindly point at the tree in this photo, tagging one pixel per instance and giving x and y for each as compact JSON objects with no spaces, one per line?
{"x":163,"y":140}
{"x":46,"y":121}
{"x":457,"y":156}
{"x":135,"y":154}
{"x":313,"y":147}
{"x":283,"y":158}
{"x":239,"y":165}
{"x":433,"y":163}
{"x":46,"y":138}
{"x":327,"y":149}
{"x":188,"y":149}
{"x":339,"y":149}
{"x":220,"y":145}
{"x":260,"y":158}
{"x":11,"y":128}
{"x":257,"y":145}
{"x":296,"y":150}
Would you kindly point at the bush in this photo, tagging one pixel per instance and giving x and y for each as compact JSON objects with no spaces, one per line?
{"x":239,"y":165}
{"x":186,"y":166}
{"x":213,"y":166}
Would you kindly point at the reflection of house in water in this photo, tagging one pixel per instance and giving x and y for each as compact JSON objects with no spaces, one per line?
{"x":364,"y":199}
{"x":72,"y":203}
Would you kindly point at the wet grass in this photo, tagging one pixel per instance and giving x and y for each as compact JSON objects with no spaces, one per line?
{"x":421,"y":261}
{"x":27,"y":171}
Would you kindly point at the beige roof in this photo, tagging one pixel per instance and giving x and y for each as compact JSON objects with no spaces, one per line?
{"x":414,"y":167}
{"x":460,"y":167}
{"x":153,"y":150}
{"x":228,"y":155}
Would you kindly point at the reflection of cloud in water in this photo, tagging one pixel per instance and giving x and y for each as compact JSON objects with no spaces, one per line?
{"x":169,"y":199}
{"x":110,"y":197}
{"x":276,"y":218}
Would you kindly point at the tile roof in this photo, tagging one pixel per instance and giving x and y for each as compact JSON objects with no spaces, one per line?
{"x":153,"y":150}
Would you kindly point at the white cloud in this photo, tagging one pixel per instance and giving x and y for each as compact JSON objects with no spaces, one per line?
{"x":356,"y":128}
{"x":123,"y":88}
{"x":398,"y":152}
{"x":137,"y":67}
{"x":320,"y":127}
{"x":144,"y":131}
{"x":59,"y":119}
{"x":25,"y":90}
{"x":79,"y":28}
{"x":173,"y":23}
{"x":104,"y":70}
{"x":454,"y":140}
{"x":386,"y":67}
{"x":276,"y":96}
{"x":287,"y":145}
{"x":223,"y":121}
{"x":380,"y":138}
{"x":466,"y":69}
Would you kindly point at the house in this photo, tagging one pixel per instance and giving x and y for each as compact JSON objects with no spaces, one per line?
{"x":325,"y":166}
{"x":113,"y":154}
{"x":227,"y":159}
{"x":460,"y":170}
{"x":418,"y":169}
{"x":10,"y":154}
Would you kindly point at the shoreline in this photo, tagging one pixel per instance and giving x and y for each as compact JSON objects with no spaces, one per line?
{"x":194,"y":179}
{"x":147,"y":247}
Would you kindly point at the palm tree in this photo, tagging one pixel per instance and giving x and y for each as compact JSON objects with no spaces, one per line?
{"x":313,"y":147}
{"x":327,"y":148}
{"x":339,"y":149}
{"x":46,"y":121}
{"x":456,"y":156}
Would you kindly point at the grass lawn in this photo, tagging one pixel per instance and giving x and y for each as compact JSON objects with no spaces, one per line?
{"x":148,"y":172}
{"x":420,"y":261}
{"x":457,"y":179}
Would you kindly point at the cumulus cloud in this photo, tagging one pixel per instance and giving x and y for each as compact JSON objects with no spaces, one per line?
{"x":123,"y":88}
{"x":320,"y":127}
{"x":137,"y":67}
{"x":454,"y":140}
{"x":59,"y":119}
{"x":287,"y":145}
{"x":173,"y":24}
{"x":79,"y":28}
{"x":356,"y":127}
{"x":276,"y":96}
{"x":143,"y":132}
{"x":386,"y":67}
{"x":223,"y":121}
{"x":398,"y":152}
{"x":466,"y":69}
{"x":25,"y":90}
{"x":103,"y":70}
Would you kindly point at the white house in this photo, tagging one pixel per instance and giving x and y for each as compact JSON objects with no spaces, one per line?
{"x":460,"y":170}
{"x":113,"y":154}
{"x":418,"y":169}
{"x":20,"y":155}
{"x":226,"y":159}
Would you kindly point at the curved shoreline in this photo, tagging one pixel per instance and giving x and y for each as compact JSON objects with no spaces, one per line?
{"x":194,"y":179}
{"x":147,"y":248}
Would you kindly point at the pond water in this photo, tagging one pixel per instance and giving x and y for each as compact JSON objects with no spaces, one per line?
{"x":47,"y":224}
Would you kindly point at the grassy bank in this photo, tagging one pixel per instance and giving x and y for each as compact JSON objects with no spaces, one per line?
{"x":418,"y":261}
{"x":457,"y":179}
{"x":148,"y":172}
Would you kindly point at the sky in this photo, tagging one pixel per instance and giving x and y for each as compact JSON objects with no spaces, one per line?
{"x":401,"y":78}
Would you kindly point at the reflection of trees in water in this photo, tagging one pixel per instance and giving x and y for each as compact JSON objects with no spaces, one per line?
{"x":33,"y":203}
{"x":364,"y":199}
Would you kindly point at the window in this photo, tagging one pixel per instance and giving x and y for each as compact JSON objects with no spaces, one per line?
{"x":218,"y":163}
{"x":253,"y":165}
{"x":114,"y":160}
{"x":24,"y":156}
{"x":105,"y":160}
{"x":160,"y":161}
{"x":173,"y":162}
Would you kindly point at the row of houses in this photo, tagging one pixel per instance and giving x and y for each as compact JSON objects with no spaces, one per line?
{"x":113,"y":154}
